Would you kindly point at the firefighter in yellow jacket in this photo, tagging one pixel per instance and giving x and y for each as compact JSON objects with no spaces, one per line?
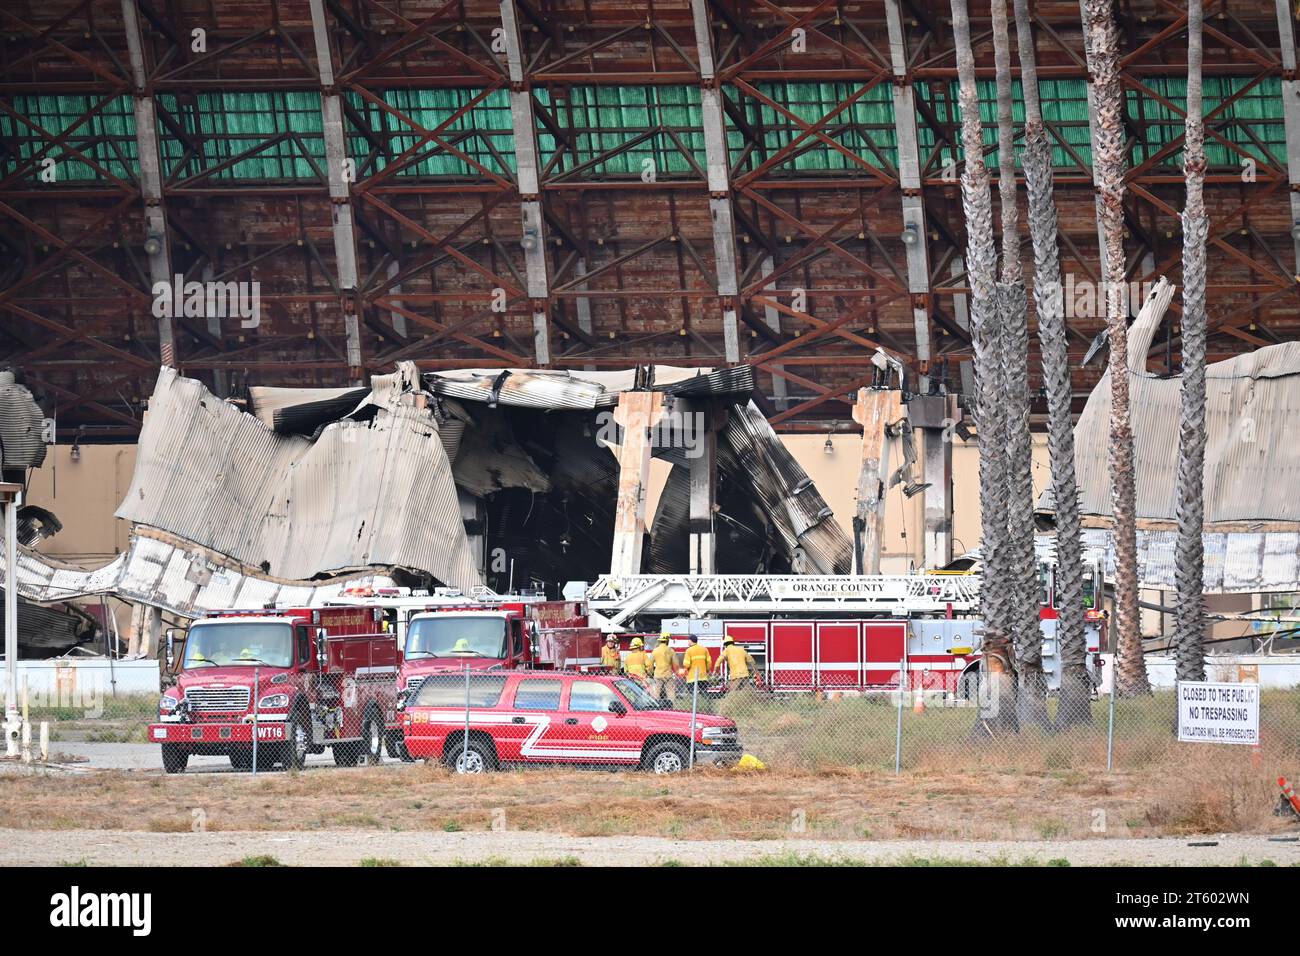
{"x":740,"y":664}
{"x":665,"y":670}
{"x":637,"y":663}
{"x":609,"y":656}
{"x":695,"y":663}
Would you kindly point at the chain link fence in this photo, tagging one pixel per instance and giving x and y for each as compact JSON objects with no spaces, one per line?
{"x":475,"y":719}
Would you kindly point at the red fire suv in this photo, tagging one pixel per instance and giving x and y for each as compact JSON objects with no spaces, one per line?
{"x":557,"y":717}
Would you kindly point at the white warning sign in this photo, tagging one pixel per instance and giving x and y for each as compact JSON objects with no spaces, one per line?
{"x":1218,"y":713}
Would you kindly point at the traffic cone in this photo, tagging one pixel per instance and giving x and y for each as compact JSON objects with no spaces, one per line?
{"x":1289,"y":794}
{"x":918,"y":699}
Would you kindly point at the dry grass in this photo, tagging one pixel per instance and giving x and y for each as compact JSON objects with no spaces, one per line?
{"x":1202,"y":791}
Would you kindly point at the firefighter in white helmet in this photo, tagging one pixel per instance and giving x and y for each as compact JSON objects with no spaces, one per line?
{"x":739,"y":662}
{"x":609,"y":656}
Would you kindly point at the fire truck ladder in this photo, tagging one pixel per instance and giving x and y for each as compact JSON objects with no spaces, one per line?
{"x":705,"y":595}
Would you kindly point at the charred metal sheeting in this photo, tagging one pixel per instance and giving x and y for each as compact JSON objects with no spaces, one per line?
{"x":300,"y":411}
{"x":22,"y":444}
{"x":46,"y":631}
{"x":488,"y":459}
{"x":574,"y":391}
{"x":1252,"y":462}
{"x":36,"y":523}
{"x":363,"y":494}
{"x":752,"y":456}
{"x":186,"y":581}
{"x":1236,"y":562}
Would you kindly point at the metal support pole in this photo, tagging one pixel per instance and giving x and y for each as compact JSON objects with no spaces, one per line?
{"x":909,"y":181}
{"x":898,"y":731}
{"x":703,"y":481}
{"x":533,"y":237}
{"x":336,"y":154}
{"x":695,"y":709}
{"x":257,"y":684}
{"x":1291,"y":114}
{"x":151,"y":182}
{"x":1110,"y":720}
{"x":12,"y":496}
{"x":718,"y":162}
{"x":464,"y":744}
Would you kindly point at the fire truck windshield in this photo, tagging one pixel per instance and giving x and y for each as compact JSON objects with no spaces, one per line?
{"x":453,"y":635}
{"x":239,"y":642}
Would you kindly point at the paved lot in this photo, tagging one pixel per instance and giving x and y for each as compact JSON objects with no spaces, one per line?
{"x":112,"y":756}
{"x":350,"y":847}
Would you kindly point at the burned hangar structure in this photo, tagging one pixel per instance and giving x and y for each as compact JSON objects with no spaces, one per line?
{"x":582,"y":187}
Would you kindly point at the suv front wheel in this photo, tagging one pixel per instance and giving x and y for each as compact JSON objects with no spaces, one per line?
{"x":478,"y":757}
{"x":668,"y":757}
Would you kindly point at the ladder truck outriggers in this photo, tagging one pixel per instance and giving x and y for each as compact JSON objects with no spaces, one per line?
{"x":833,"y":634}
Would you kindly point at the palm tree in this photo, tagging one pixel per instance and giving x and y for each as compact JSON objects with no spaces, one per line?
{"x":1074,"y":705}
{"x":1026,"y":634}
{"x":981,"y":263}
{"x":1189,"y":616}
{"x":1103,"y":65}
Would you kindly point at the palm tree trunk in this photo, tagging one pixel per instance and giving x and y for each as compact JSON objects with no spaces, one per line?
{"x":999,"y":712}
{"x":1074,"y":704}
{"x":1103,"y":65}
{"x":1189,"y":568}
{"x":1022,"y":571}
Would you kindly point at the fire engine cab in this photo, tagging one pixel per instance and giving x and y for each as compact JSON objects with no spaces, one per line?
{"x":448,"y":630}
{"x":272,"y":686}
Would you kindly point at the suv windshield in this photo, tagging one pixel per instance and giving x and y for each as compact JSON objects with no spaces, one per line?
{"x":239,"y":642}
{"x":456,"y":636}
{"x":637,"y":695}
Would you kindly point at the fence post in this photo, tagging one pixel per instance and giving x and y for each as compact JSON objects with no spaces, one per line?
{"x":257,"y":684}
{"x":464,"y":750}
{"x":695,"y":703}
{"x":898,"y":733}
{"x":1110,"y":726}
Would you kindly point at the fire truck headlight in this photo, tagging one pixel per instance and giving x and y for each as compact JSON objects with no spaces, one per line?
{"x":713,"y":733}
{"x":166,"y":703}
{"x":274,"y":701}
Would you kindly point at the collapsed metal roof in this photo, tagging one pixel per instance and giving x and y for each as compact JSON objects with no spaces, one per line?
{"x":184,"y":579}
{"x":362,"y":494}
{"x":1252,"y":460}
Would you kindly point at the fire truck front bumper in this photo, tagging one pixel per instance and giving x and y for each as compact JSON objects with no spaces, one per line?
{"x":214,"y":737}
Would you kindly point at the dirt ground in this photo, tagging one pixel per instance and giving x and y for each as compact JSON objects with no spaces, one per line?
{"x":1209,"y":796}
{"x":368,"y":848}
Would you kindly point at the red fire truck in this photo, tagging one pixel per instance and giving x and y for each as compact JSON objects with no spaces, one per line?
{"x":281,"y":684}
{"x":831,"y":634}
{"x":448,"y":630}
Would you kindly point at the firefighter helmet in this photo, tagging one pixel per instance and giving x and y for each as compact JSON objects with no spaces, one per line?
{"x":637,"y":642}
{"x":663,"y":638}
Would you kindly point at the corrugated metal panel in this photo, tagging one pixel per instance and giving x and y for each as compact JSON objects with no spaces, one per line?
{"x":1252,"y":411}
{"x":788,"y":496}
{"x":574,"y":391}
{"x":374,"y":493}
{"x":1236,"y":562}
{"x":301,"y":410}
{"x":22,"y":443}
{"x":164,"y":575}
